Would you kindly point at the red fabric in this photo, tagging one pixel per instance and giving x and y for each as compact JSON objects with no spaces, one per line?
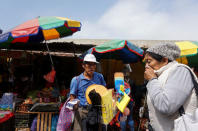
{"x":126,"y":85}
{"x":50,"y":76}
{"x":27,"y":28}
{"x":115,"y":120}
{"x":6,"y":117}
{"x":21,"y":39}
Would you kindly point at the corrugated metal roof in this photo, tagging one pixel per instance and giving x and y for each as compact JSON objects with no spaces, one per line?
{"x":139,"y":43}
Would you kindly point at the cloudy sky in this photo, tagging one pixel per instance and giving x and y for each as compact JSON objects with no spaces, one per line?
{"x":112,"y":19}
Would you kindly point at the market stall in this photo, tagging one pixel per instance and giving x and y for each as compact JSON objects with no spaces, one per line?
{"x":36,"y":88}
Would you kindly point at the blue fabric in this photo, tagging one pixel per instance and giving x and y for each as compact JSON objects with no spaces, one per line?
{"x":4,"y":37}
{"x":6,"y":102}
{"x":34,"y":124}
{"x":129,"y":119}
{"x":79,"y":85}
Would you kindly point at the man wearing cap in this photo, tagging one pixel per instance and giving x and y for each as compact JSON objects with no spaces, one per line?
{"x":169,"y":86}
{"x":78,"y":88}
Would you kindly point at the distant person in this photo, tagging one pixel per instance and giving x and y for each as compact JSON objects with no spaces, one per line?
{"x":78,"y":87}
{"x":170,"y":86}
{"x":129,"y":121}
{"x":1,"y":31}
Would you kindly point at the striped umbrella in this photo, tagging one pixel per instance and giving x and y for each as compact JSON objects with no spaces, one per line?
{"x":40,"y":29}
{"x":189,"y":52}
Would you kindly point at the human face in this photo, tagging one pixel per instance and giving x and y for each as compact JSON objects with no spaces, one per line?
{"x":153,"y":63}
{"x":89,"y":68}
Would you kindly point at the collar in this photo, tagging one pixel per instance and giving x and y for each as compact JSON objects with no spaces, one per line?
{"x":82,"y":77}
{"x":162,"y":69}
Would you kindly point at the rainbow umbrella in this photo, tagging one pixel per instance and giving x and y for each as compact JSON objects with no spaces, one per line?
{"x":40,"y":29}
{"x":189,"y":52}
{"x":117,"y":49}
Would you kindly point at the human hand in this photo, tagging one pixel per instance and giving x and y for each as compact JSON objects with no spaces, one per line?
{"x":149,"y":73}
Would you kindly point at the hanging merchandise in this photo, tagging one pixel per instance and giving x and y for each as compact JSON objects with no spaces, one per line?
{"x":66,"y":115}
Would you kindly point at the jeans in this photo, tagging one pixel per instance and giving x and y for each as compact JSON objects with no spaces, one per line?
{"x":129,"y":119}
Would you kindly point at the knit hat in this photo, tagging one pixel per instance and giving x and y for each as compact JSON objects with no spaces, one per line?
{"x":168,"y":50}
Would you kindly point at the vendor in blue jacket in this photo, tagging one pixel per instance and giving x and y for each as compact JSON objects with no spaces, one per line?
{"x":78,"y":87}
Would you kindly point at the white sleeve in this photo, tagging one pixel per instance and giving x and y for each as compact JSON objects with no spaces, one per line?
{"x":176,"y":91}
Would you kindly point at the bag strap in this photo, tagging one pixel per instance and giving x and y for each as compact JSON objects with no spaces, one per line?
{"x":181,"y":109}
{"x":78,"y":83}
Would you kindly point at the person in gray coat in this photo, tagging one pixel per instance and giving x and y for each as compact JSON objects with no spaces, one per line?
{"x":169,"y":86}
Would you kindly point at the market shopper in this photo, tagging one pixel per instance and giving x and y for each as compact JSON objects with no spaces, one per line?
{"x":78,"y":88}
{"x":169,"y":86}
{"x":128,"y":83}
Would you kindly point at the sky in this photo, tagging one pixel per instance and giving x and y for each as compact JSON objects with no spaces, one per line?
{"x":112,"y":19}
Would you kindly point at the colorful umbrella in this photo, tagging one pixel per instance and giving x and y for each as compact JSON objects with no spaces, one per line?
{"x":189,"y":52}
{"x":117,"y":49}
{"x":40,"y":29}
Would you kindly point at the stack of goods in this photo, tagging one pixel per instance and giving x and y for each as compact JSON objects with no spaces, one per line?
{"x":48,"y":95}
{"x":25,"y":106}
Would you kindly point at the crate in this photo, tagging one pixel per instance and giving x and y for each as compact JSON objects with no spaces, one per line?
{"x":23,"y":120}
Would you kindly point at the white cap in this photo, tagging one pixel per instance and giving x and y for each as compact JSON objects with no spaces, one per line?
{"x":90,"y":58}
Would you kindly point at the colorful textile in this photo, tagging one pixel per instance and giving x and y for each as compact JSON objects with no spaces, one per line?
{"x":5,"y":115}
{"x":40,"y":29}
{"x":66,"y":116}
{"x":6,"y":102}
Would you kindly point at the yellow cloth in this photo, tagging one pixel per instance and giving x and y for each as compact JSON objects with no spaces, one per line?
{"x":107,"y":107}
{"x":123,"y":103}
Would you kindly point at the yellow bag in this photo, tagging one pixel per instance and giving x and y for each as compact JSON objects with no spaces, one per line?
{"x":107,"y":107}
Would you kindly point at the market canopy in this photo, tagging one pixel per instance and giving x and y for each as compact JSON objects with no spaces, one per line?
{"x":117,"y":49}
{"x":40,"y":29}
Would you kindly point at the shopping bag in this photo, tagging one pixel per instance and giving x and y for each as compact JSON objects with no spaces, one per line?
{"x":187,"y":122}
{"x":66,"y":116}
{"x":107,"y":107}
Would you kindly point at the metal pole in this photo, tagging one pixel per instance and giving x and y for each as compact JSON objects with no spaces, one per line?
{"x":49,"y":53}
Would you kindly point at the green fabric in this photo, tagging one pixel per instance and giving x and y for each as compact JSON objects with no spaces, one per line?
{"x":110,"y":45}
{"x":7,"y":43}
{"x":194,"y":42}
{"x":64,"y":31}
{"x":193,"y":60}
{"x":50,"y":22}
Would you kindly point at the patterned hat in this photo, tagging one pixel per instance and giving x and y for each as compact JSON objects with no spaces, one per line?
{"x":168,"y":50}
